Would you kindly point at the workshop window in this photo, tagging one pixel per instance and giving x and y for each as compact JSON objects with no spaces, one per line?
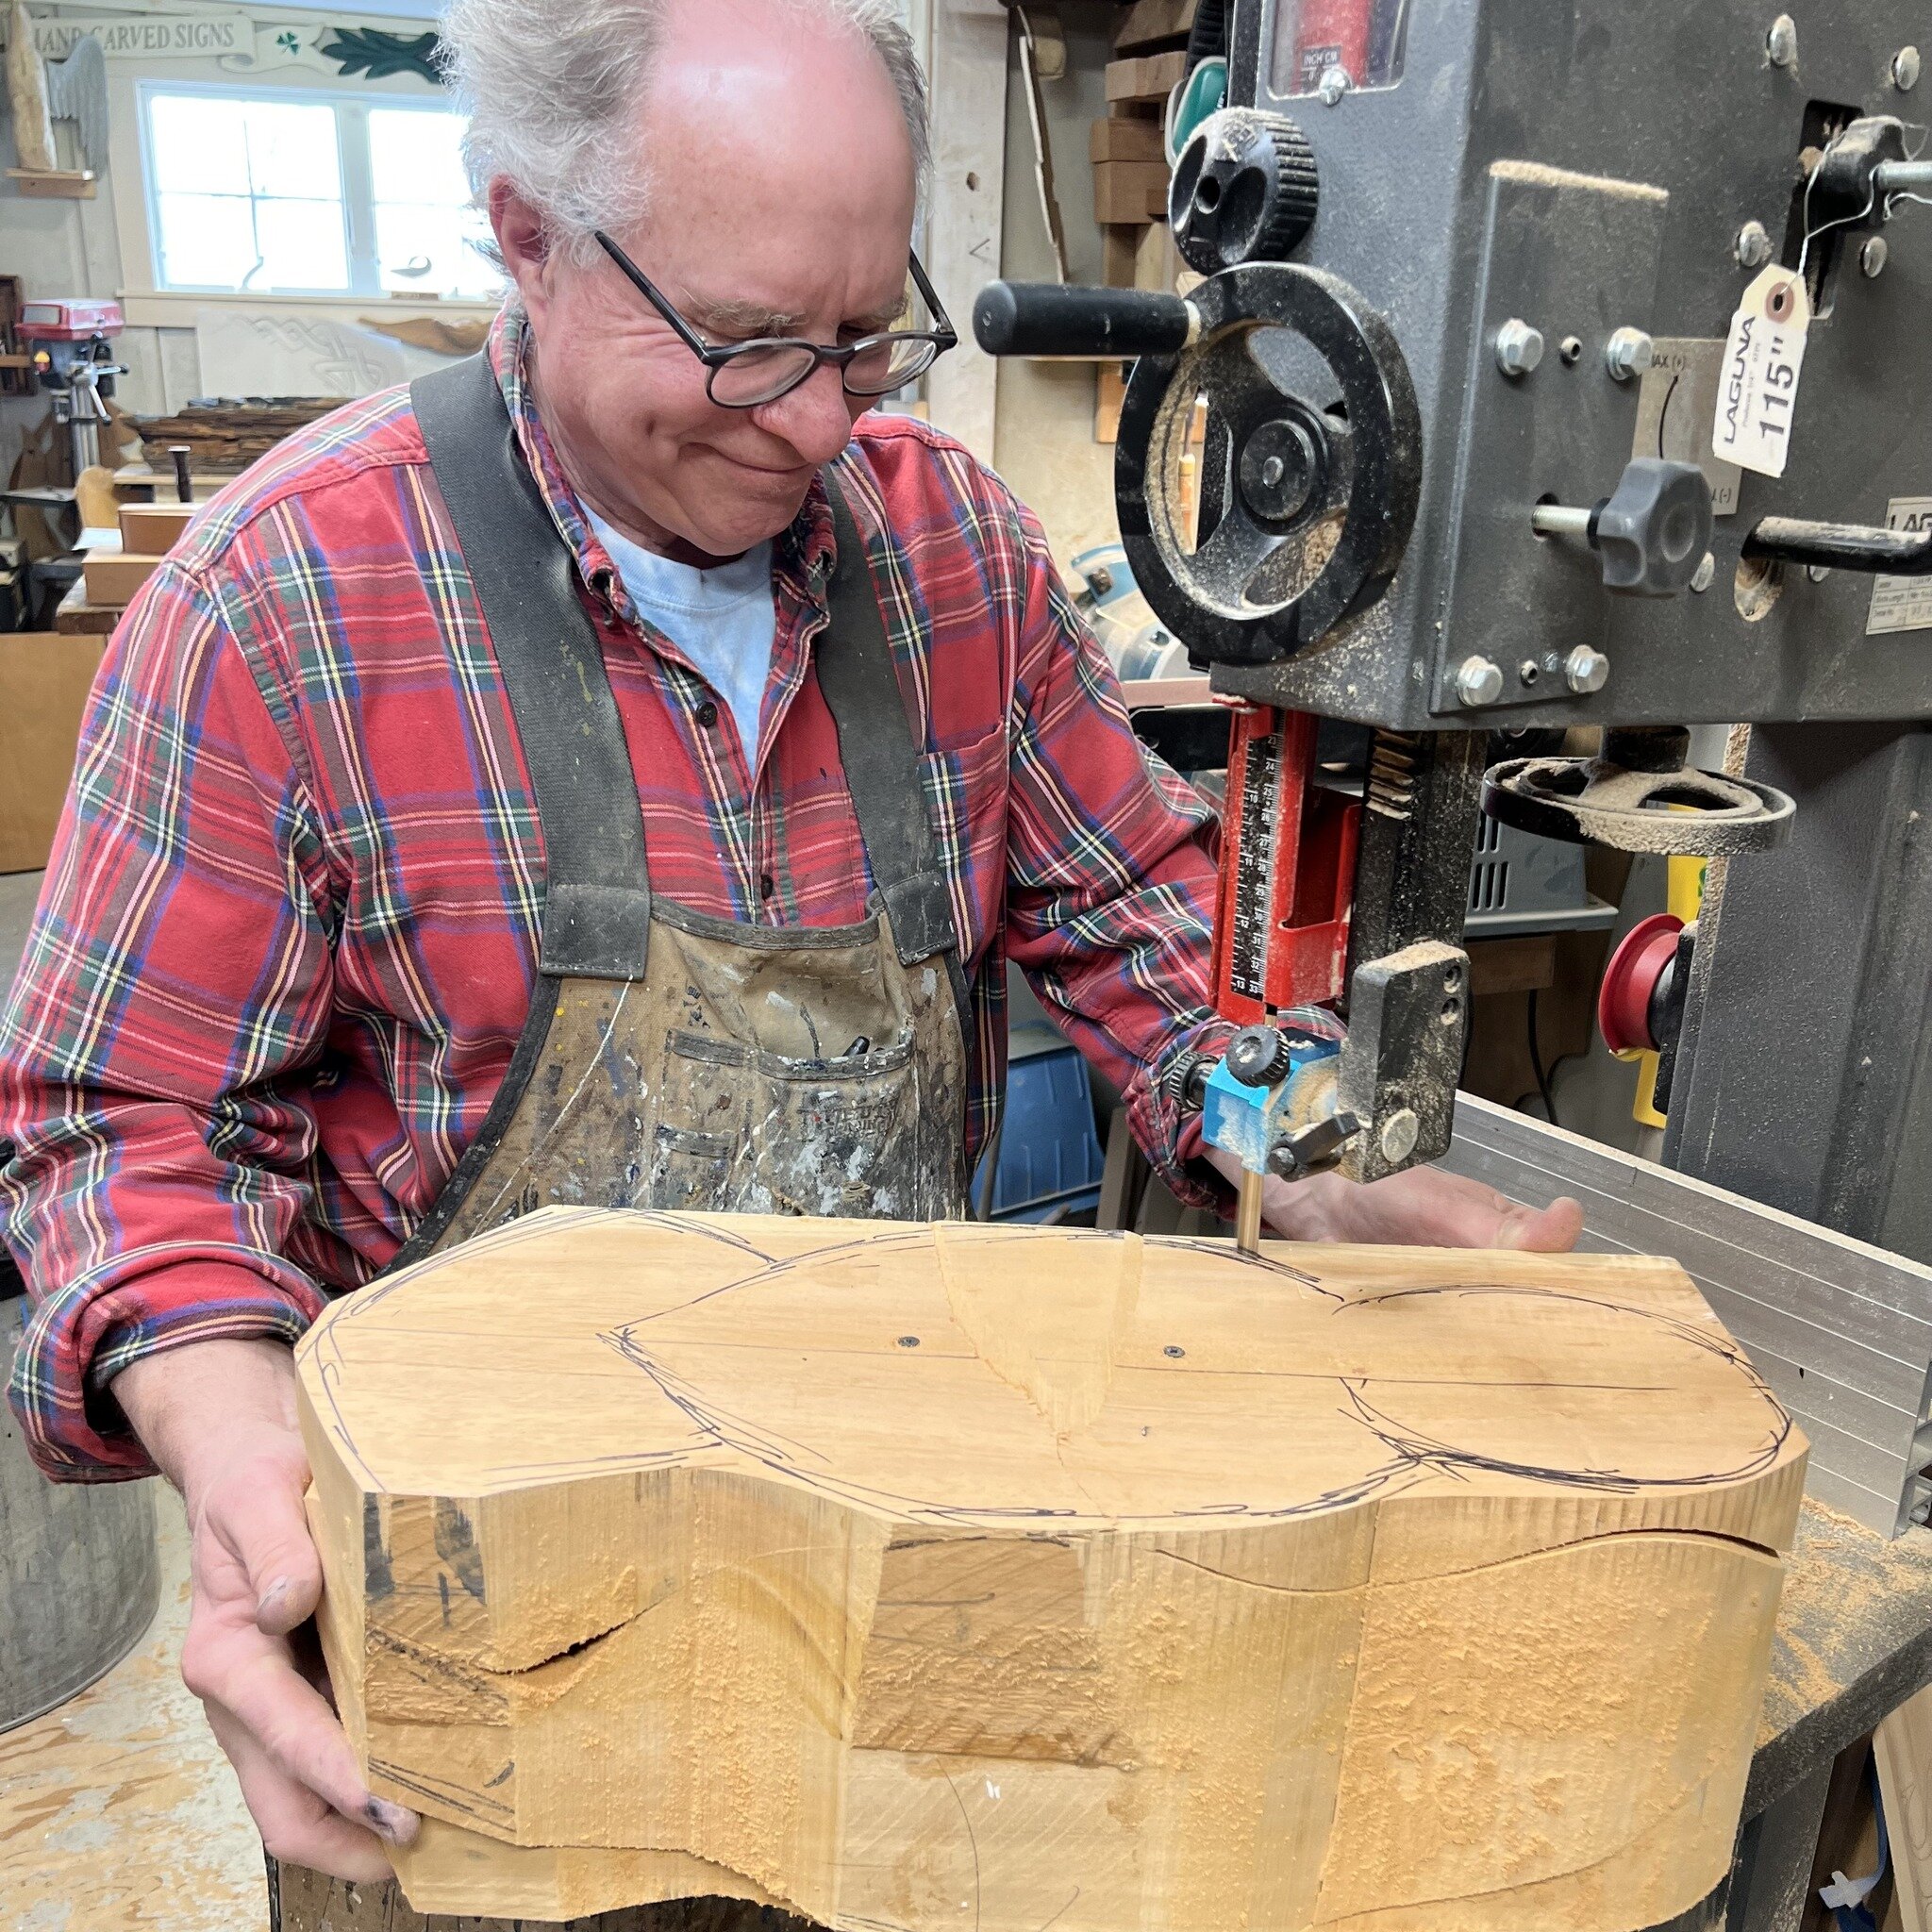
{"x":310,"y":195}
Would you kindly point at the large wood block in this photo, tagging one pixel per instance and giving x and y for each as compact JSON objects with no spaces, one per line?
{"x":918,"y":1578}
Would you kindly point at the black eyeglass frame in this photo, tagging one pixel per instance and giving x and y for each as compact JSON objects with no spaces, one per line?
{"x":942,"y":337}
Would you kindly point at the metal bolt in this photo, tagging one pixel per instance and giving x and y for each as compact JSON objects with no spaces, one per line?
{"x":909,"y":1342}
{"x":1706,"y":574}
{"x":1628,"y":353}
{"x":1904,"y":69}
{"x":1753,"y":245}
{"x":1872,"y":255}
{"x":1585,"y":671}
{"x":1781,"y":43}
{"x":1273,"y":470}
{"x":1478,"y":681}
{"x":1528,"y":671}
{"x":1334,"y":83}
{"x":1400,"y":1132}
{"x":1173,"y":1351}
{"x":1570,"y":351}
{"x":1518,"y":347}
{"x":1817,"y":572}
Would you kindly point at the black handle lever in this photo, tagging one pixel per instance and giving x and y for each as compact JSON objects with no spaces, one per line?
{"x":1868,"y":547}
{"x":1043,"y":319}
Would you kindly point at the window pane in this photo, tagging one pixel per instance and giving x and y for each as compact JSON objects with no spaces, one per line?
{"x":199,"y":143}
{"x":302,"y":245}
{"x":292,"y":149}
{"x":416,"y":155}
{"x":410,"y":236}
{"x":207,"y":241}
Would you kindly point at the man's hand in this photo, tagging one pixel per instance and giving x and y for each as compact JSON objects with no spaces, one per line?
{"x":218,"y":1419}
{"x":1423,"y":1208}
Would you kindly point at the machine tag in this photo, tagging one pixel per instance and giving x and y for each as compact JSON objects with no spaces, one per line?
{"x":1902,"y":603}
{"x":1757,"y":385}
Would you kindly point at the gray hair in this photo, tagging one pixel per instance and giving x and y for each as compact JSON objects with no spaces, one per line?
{"x":550,"y":87}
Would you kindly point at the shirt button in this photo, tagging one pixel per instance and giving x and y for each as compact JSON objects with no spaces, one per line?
{"x":766,"y":887}
{"x":707,"y":714}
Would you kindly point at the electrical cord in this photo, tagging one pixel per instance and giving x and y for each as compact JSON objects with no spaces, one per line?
{"x":1535,"y":1062}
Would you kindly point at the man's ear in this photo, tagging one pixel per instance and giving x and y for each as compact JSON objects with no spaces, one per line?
{"x":524,"y":242}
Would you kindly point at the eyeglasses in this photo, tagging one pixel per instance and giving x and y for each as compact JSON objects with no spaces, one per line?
{"x":744,"y":375}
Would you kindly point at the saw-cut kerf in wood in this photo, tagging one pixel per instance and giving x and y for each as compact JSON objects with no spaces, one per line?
{"x":987,"y":1579}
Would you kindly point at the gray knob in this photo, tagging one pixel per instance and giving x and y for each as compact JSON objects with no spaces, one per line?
{"x":1258,"y":1056}
{"x":1653,"y":532}
{"x":1245,"y":188}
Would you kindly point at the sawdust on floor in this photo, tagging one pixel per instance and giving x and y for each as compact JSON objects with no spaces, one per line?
{"x":118,"y":1812}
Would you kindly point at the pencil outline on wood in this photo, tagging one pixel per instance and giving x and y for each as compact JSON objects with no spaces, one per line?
{"x":1412,"y":1454}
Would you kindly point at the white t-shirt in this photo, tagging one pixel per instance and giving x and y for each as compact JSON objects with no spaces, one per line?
{"x":723,"y":620}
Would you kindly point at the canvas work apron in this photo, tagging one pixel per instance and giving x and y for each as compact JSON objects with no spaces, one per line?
{"x":671,"y":1060}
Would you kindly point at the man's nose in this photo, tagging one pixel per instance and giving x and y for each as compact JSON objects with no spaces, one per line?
{"x":815,"y":418}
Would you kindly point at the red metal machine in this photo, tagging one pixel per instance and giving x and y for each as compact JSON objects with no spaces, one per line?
{"x":69,"y":319}
{"x":1287,"y":867}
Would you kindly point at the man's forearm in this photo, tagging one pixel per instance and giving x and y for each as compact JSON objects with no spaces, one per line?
{"x":193,"y":1407}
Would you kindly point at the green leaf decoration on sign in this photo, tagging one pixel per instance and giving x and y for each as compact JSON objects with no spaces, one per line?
{"x":369,"y":51}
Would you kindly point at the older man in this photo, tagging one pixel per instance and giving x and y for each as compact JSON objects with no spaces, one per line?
{"x":617,"y":772}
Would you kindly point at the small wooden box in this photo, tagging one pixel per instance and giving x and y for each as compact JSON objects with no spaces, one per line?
{"x":151,"y":530}
{"x":114,"y":575}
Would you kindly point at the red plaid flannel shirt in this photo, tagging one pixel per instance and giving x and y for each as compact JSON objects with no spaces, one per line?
{"x":287,"y":935}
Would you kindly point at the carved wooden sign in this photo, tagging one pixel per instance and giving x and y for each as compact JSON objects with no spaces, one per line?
{"x":943,"y":1578}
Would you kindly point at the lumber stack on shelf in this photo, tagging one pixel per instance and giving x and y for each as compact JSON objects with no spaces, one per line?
{"x":917,"y":1576}
{"x":225,"y":434}
{"x":1130,"y":172}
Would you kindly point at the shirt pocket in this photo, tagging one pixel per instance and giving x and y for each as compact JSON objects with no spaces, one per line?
{"x":966,"y":796}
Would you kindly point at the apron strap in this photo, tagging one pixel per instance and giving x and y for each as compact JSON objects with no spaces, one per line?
{"x":597,"y":897}
{"x":861,"y":690}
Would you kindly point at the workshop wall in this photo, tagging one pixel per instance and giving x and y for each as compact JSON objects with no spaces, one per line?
{"x":178,"y":346}
{"x":1046,"y":447}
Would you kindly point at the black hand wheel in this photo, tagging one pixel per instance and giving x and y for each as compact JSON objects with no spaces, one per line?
{"x":1316,"y":506}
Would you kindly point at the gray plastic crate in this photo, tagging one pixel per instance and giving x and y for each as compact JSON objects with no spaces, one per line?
{"x":1521,"y":883}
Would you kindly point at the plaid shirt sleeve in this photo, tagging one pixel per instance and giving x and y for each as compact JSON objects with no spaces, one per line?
{"x":179,"y":959}
{"x":288,"y":934}
{"x":1112,"y":876}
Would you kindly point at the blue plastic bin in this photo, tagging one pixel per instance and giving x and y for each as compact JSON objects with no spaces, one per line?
{"x":1050,"y":1157}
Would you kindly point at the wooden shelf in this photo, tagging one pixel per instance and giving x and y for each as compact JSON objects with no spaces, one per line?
{"x":56,"y":184}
